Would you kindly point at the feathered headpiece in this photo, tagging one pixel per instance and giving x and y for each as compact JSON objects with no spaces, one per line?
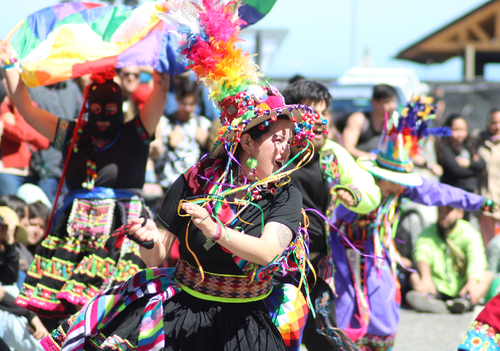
{"x":210,"y":31}
{"x":400,"y":142}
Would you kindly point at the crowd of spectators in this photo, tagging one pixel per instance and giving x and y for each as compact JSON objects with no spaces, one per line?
{"x":31,"y":169}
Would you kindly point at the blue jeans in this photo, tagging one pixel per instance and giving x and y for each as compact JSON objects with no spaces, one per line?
{"x":9,"y":183}
{"x":49,"y":186}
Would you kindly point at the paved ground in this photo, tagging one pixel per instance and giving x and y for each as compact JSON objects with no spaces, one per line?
{"x":431,"y":332}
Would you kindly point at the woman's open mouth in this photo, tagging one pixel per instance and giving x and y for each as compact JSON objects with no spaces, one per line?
{"x":278,"y":164}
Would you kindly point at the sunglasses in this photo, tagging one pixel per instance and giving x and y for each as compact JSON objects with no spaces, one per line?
{"x":127,"y":74}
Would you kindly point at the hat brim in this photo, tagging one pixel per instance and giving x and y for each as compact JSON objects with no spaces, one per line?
{"x":288,"y":110}
{"x":21,"y":234}
{"x":406,"y":179}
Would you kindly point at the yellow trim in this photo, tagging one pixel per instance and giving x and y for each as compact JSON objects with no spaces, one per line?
{"x":201,"y":296}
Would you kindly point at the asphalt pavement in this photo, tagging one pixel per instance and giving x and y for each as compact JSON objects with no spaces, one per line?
{"x":432,"y":332}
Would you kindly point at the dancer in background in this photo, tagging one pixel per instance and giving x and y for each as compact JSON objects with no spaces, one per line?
{"x":330,"y":178}
{"x":369,"y":296}
{"x":103,"y":190}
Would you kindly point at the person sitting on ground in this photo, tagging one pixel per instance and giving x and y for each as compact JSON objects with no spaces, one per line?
{"x":13,"y":327}
{"x":362,"y":132}
{"x":451,"y":266}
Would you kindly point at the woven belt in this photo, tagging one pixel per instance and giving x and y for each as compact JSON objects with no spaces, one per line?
{"x":220,"y":286}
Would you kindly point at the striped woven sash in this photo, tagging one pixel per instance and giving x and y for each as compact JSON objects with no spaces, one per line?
{"x":219,"y":285}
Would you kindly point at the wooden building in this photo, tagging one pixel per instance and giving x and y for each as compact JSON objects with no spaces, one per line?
{"x":475,"y":37}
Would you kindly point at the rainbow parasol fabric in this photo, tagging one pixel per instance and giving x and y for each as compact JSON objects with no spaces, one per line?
{"x":72,"y":39}
{"x":69,"y":40}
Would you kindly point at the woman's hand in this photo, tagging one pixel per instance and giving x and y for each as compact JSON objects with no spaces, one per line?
{"x":463,"y":162}
{"x":5,"y":51}
{"x":201,"y":219}
{"x":145,"y":233}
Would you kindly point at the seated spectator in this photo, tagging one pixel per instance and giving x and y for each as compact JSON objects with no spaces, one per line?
{"x":18,"y":140}
{"x":493,"y":258}
{"x":32,"y":193}
{"x":185,"y":133}
{"x":364,"y":130}
{"x":19,"y":206}
{"x":490,"y":180}
{"x":458,"y":157}
{"x":19,"y":328}
{"x":38,"y":220}
{"x":451,"y":266}
{"x":11,"y":231}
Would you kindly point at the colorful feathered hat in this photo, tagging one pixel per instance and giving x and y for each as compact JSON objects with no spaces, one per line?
{"x":209,"y":30}
{"x":400,"y":141}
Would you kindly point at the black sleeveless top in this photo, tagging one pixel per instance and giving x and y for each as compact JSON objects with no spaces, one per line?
{"x":369,"y":138}
{"x":120,"y":165}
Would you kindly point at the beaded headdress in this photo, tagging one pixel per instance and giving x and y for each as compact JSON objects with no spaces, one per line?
{"x":210,"y":31}
{"x":400,"y":142}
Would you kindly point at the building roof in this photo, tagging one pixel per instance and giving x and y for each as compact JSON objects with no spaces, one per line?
{"x":480,"y":27}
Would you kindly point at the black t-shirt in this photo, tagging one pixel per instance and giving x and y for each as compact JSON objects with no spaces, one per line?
{"x":120,"y":165}
{"x":283,"y":207}
{"x":315,"y":194}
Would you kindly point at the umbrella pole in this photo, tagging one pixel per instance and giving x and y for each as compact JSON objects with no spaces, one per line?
{"x":13,"y":30}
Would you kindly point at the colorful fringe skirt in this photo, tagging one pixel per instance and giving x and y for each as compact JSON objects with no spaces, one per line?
{"x":369,"y":299}
{"x":155,"y":310}
{"x":82,"y":253}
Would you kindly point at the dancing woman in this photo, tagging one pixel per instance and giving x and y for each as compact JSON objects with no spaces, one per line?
{"x":236,"y":216}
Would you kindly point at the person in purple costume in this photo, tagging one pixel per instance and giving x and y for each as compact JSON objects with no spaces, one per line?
{"x":368,"y":292}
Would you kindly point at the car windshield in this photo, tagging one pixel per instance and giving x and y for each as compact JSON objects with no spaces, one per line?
{"x":351,"y":98}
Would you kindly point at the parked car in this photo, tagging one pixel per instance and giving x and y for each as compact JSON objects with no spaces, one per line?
{"x":352,"y":92}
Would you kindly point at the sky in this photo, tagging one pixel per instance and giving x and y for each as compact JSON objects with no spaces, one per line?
{"x":326,"y":37}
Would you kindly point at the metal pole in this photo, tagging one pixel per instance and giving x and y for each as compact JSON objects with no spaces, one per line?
{"x":354,"y":20}
{"x":258,"y":47}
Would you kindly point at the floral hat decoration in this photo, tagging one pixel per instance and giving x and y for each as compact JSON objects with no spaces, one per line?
{"x":210,"y":31}
{"x":400,"y":142}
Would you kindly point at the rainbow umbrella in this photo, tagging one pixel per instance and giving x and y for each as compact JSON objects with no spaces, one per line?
{"x":69,"y":40}
{"x":72,"y":39}
{"x":254,"y":10}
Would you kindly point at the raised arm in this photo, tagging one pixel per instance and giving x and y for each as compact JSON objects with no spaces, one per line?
{"x":432,"y":193}
{"x":152,"y":110}
{"x":43,"y":121}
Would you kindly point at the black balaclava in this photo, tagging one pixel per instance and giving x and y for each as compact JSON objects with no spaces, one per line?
{"x":104,"y":94}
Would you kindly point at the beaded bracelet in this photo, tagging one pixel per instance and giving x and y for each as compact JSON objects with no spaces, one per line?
{"x":218,"y":232}
{"x":10,"y":63}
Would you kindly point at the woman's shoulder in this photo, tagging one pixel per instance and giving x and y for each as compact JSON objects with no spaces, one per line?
{"x":289,"y":192}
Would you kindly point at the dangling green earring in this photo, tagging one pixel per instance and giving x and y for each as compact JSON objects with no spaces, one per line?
{"x":252,"y":165}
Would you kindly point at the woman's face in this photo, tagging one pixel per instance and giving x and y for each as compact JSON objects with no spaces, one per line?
{"x":272,"y":149}
{"x":36,"y":230}
{"x":459,"y":130}
{"x":494,"y":126}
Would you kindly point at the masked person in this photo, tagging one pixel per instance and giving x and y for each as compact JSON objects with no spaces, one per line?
{"x":106,"y":171}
